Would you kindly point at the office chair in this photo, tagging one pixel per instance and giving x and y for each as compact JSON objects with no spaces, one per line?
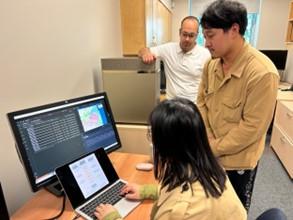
{"x":3,"y":208}
{"x":272,"y":214}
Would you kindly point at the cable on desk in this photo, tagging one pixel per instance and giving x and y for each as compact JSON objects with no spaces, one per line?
{"x":62,"y":209}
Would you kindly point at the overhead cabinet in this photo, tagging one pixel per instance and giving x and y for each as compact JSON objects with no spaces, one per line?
{"x":144,"y":23}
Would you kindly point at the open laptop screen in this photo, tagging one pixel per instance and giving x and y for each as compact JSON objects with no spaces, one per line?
{"x":86,"y":176}
{"x":89,"y":175}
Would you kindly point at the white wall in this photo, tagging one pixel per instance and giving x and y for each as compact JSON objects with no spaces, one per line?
{"x":179,"y":11}
{"x":273,"y":26}
{"x":272,"y":30}
{"x":49,"y":51}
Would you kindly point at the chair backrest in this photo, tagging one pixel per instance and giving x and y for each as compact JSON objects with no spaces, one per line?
{"x":3,"y":208}
{"x":272,"y":214}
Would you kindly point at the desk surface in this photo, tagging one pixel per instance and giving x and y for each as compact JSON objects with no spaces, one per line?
{"x":45,"y":205}
{"x":284,"y":95}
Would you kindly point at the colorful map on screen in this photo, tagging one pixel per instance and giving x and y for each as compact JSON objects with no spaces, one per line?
{"x":90,"y":118}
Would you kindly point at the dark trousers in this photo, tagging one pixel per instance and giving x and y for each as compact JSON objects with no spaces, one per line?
{"x":242,"y":182}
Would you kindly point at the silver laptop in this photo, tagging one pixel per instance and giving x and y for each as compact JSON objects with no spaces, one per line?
{"x":92,"y":180}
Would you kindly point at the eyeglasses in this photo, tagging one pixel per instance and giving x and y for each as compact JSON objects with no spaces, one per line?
{"x":186,"y":34}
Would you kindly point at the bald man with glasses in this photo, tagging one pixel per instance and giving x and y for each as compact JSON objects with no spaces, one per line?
{"x":183,"y":61}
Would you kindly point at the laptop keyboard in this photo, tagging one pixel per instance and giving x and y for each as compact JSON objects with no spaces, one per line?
{"x":111,"y":196}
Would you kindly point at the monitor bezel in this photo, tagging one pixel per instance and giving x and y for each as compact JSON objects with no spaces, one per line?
{"x":20,"y":148}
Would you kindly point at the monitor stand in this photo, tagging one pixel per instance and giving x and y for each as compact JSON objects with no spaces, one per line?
{"x":55,"y":188}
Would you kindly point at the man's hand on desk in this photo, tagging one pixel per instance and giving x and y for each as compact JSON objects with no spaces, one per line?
{"x":146,"y":55}
{"x":148,"y":58}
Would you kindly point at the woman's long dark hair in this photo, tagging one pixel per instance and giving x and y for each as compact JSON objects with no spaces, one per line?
{"x":182,"y":154}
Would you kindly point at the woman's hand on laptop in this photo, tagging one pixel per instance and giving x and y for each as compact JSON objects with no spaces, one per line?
{"x":103,"y":210}
{"x":131,"y":191}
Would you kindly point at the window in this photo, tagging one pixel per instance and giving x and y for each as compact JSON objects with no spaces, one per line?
{"x":196,"y":8}
{"x":250,"y":33}
{"x":251,"y":30}
{"x":200,"y":37}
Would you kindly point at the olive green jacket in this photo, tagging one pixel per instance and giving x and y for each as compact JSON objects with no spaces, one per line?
{"x":194,"y":205}
{"x":237,"y":107}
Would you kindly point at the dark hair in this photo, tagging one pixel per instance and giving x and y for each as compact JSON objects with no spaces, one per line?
{"x":223,"y":14}
{"x":182,"y":154}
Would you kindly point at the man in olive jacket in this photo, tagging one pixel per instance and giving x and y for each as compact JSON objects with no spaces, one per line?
{"x":237,"y":95}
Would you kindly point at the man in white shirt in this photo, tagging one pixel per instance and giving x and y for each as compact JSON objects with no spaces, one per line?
{"x":183,"y":61}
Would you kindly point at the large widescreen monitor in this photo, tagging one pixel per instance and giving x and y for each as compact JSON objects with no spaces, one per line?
{"x":51,"y":135}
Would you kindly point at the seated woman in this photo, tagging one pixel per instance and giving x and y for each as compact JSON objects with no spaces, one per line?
{"x":192,"y":183}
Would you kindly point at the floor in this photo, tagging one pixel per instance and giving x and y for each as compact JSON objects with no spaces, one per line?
{"x":273,"y":187}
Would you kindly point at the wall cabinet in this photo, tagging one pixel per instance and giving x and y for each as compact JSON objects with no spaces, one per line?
{"x":144,"y":23}
{"x":282,"y":136}
{"x":289,"y":37}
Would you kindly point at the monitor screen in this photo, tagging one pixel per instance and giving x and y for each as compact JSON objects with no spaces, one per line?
{"x":51,"y":135}
{"x":278,"y":57}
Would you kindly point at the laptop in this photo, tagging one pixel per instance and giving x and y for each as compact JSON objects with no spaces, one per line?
{"x":92,"y":180}
{"x":3,"y":208}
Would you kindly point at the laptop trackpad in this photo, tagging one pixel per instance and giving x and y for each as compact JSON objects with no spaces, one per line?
{"x":125,"y":206}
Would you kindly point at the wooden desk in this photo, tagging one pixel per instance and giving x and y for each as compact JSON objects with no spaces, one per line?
{"x":45,"y":205}
{"x":284,"y":95}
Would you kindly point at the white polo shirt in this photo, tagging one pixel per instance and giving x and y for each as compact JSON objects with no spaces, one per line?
{"x":183,"y":70}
